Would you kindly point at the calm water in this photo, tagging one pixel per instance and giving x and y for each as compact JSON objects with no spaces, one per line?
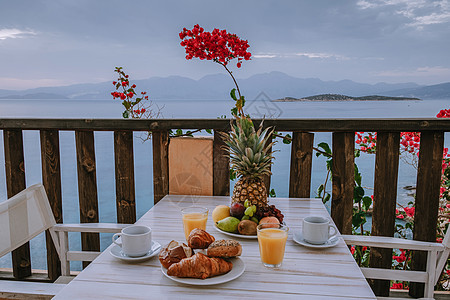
{"x":183,"y":109}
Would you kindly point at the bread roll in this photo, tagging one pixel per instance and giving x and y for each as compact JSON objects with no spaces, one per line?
{"x":173,"y":253}
{"x":224,"y":248}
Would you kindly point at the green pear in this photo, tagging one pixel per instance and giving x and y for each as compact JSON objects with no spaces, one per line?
{"x":229,"y":224}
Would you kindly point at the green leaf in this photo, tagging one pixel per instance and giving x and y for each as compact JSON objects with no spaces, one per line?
{"x":330,"y":165}
{"x":233,"y":174}
{"x":234,"y":111}
{"x":272,"y":193}
{"x":367,"y":201}
{"x":243,"y":101}
{"x":327,"y":198}
{"x":325,"y":147}
{"x":233,"y":94}
{"x":358,"y":193}
{"x":126,"y":114}
{"x":179,"y":132}
{"x":287,"y":139}
{"x":320,"y":189}
{"x":358,"y":219}
{"x":208,"y":131}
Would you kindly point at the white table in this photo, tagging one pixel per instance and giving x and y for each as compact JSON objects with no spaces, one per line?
{"x":305,"y":274}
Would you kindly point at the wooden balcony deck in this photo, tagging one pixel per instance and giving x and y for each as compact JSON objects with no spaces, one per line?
{"x":343,"y":144}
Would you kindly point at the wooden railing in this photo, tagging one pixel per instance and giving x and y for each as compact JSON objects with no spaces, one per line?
{"x":343,"y":144}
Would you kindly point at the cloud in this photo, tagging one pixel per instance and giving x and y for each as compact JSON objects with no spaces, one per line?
{"x":311,"y":55}
{"x":419,"y":72}
{"x":419,"y":12}
{"x":321,"y":55}
{"x":14,"y":33}
{"x":265,"y":56}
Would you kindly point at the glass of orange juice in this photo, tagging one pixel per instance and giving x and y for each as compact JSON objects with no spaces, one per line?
{"x":272,"y":242}
{"x":194,"y":217}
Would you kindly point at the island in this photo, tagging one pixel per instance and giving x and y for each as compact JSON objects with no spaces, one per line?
{"x":338,"y":97}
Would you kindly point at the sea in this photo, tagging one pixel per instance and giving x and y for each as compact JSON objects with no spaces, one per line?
{"x":261,"y":107}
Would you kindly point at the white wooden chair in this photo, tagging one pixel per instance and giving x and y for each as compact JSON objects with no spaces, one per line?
{"x":437,"y":255}
{"x":28,"y":214}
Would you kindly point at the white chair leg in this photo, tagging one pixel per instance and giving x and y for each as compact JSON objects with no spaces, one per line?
{"x":64,"y":247}
{"x":431,"y":271}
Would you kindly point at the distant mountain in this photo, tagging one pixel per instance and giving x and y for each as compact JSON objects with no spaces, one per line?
{"x":339,"y":97}
{"x":275,"y":85}
{"x":35,"y":96}
{"x":437,"y":91}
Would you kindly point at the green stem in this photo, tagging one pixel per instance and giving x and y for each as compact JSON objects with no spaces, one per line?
{"x":235,"y":83}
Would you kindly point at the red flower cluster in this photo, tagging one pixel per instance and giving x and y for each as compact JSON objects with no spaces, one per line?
{"x":444,"y":113}
{"x":401,"y":258}
{"x":218,"y":45}
{"x":397,"y":286}
{"x":126,"y":93}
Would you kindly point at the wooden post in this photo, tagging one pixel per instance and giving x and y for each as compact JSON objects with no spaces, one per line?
{"x":15,"y":183}
{"x":301,"y":164}
{"x":124,"y":163}
{"x":87,"y":188}
{"x":343,"y":177}
{"x":221,"y":167}
{"x":51,"y":179}
{"x":160,"y":164}
{"x":385,"y":199}
{"x":427,"y":199}
{"x":266,"y":178}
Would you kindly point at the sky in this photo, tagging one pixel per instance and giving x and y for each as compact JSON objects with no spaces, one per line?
{"x":63,"y":42}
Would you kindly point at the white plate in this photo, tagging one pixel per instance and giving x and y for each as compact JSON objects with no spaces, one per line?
{"x":237,"y":235}
{"x":116,"y":251}
{"x":298,"y":238}
{"x":238,"y":269}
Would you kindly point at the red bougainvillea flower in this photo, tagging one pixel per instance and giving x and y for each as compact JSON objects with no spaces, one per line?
{"x":217,"y":45}
{"x":397,"y":286}
{"x":409,"y":211}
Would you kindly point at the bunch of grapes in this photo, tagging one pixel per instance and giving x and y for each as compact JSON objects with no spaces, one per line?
{"x":269,"y":211}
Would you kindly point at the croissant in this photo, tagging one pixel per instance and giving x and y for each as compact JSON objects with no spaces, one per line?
{"x":199,"y":239}
{"x":200,"y":266}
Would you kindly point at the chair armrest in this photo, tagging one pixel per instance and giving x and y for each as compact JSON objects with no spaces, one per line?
{"x":91,"y":227}
{"x":390,"y":242}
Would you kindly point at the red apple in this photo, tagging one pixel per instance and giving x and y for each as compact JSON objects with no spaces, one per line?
{"x":237,"y":210}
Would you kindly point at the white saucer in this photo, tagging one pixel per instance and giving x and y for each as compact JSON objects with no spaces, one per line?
{"x":298,"y":238}
{"x":116,"y":251}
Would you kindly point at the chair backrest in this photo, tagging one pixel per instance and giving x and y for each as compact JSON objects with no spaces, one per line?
{"x":443,"y":256}
{"x":23,"y":217}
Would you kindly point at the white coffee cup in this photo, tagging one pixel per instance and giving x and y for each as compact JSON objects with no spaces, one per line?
{"x":135,"y":241}
{"x":317,"y":230}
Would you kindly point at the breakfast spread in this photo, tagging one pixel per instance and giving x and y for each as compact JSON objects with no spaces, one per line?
{"x":180,"y":260}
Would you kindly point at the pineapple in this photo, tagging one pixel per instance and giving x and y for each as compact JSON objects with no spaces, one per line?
{"x":251,"y":158}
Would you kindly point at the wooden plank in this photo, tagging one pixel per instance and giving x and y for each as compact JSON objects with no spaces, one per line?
{"x":385,"y":198}
{"x":427,"y":199}
{"x":221,"y":167}
{"x":343,"y":180}
{"x":87,"y":188}
{"x":313,"y":125}
{"x":15,"y":183}
{"x":301,"y":164}
{"x":51,"y":179}
{"x":124,"y":163}
{"x":160,"y":141}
